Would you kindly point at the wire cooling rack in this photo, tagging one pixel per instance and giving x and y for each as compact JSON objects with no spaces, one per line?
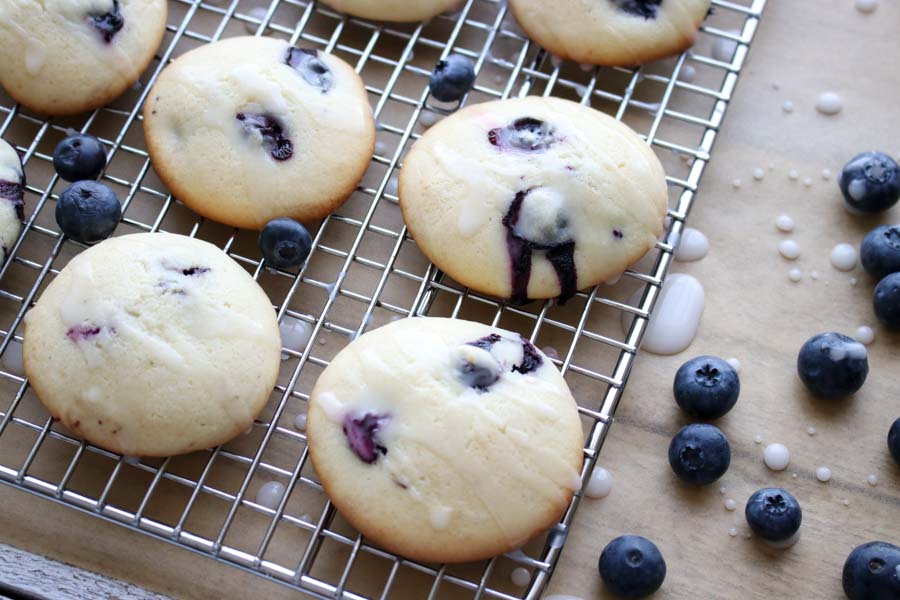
{"x":364,"y":271}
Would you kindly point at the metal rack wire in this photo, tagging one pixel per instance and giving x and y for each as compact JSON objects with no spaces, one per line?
{"x":364,"y":271}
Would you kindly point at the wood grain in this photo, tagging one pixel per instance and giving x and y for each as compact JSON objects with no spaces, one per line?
{"x":41,"y":577}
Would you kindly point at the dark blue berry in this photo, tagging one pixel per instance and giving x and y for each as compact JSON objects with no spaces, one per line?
{"x":271,"y":131}
{"x":88,"y":211}
{"x":699,"y":454}
{"x":632,"y":566}
{"x":526,"y":134}
{"x":894,"y":440}
{"x":313,"y":69}
{"x":880,"y":251}
{"x":870,"y":182}
{"x":832,"y":365}
{"x":452,"y":78}
{"x":285,"y":243}
{"x":886,"y":301}
{"x":78,"y":157}
{"x":706,"y":387}
{"x":108,"y":23}
{"x":639,"y":8}
{"x":872,"y":572}
{"x":362,"y":435}
{"x":773,"y":514}
{"x":479,"y":376}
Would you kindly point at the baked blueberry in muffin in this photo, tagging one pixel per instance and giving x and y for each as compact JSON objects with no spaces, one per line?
{"x":12,"y":196}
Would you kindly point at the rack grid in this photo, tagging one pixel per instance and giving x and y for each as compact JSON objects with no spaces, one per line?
{"x":364,"y":271}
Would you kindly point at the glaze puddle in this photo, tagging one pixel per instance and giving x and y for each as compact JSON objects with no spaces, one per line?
{"x":676,"y":317}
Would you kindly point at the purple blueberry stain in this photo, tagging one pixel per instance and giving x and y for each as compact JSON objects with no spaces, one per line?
{"x":531,"y":361}
{"x":274,"y":138}
{"x":526,"y":135}
{"x":108,"y":23}
{"x":15,"y":193}
{"x":617,"y":233}
{"x":195,"y":271}
{"x":362,"y":435}
{"x":82,"y":333}
{"x":647,"y":9}
{"x":313,"y":69}
{"x":487,"y":342}
{"x":560,"y":252}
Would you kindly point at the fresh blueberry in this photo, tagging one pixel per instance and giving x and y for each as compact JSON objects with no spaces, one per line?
{"x":880,"y":251}
{"x":773,"y":514}
{"x":632,"y":566}
{"x":362,"y":436}
{"x":640,"y":8}
{"x":887,"y":301}
{"x":285,"y":243}
{"x":872,"y":572}
{"x":271,"y":132}
{"x":78,"y":157}
{"x":706,"y":387}
{"x":526,"y":134}
{"x":88,"y":211}
{"x":313,"y":69}
{"x":699,"y":454}
{"x":894,"y":440}
{"x":832,"y":365}
{"x":870,"y":182}
{"x":452,"y":78}
{"x":108,"y":23}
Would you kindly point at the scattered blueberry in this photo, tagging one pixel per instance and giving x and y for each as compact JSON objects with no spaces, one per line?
{"x":773,"y":514}
{"x":699,"y":454}
{"x":88,"y":211}
{"x":285,"y":243}
{"x":894,"y":440}
{"x":78,"y":157}
{"x":452,"y":78}
{"x":362,"y":435}
{"x":706,"y":387}
{"x":870,"y":182}
{"x":632,"y":566}
{"x":880,"y":251}
{"x":640,"y":8}
{"x":526,"y":134}
{"x":832,"y":365}
{"x":108,"y":23}
{"x":872,"y":572}
{"x":271,"y":131}
{"x":312,"y":68}
{"x":886,"y":301}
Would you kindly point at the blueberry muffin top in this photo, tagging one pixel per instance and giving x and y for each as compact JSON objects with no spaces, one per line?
{"x":249,"y":129}
{"x":445,"y":440}
{"x":12,"y":197}
{"x":394,"y":10}
{"x":63,"y":57}
{"x":140,"y":345}
{"x":611,"y":32}
{"x":532,"y":198}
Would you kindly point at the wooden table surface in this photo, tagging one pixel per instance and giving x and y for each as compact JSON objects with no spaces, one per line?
{"x":752,"y":313}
